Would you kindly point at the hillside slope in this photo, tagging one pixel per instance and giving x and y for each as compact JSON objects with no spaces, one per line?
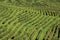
{"x":29,"y":20}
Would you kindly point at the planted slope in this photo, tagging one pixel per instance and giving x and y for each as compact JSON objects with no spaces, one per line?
{"x":24,"y":23}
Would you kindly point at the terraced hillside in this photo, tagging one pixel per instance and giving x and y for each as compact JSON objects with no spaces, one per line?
{"x":29,"y":20}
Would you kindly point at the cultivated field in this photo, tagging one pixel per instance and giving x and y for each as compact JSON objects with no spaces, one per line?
{"x":29,"y":20}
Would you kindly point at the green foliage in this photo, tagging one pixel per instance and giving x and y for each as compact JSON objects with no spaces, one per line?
{"x":29,"y":20}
